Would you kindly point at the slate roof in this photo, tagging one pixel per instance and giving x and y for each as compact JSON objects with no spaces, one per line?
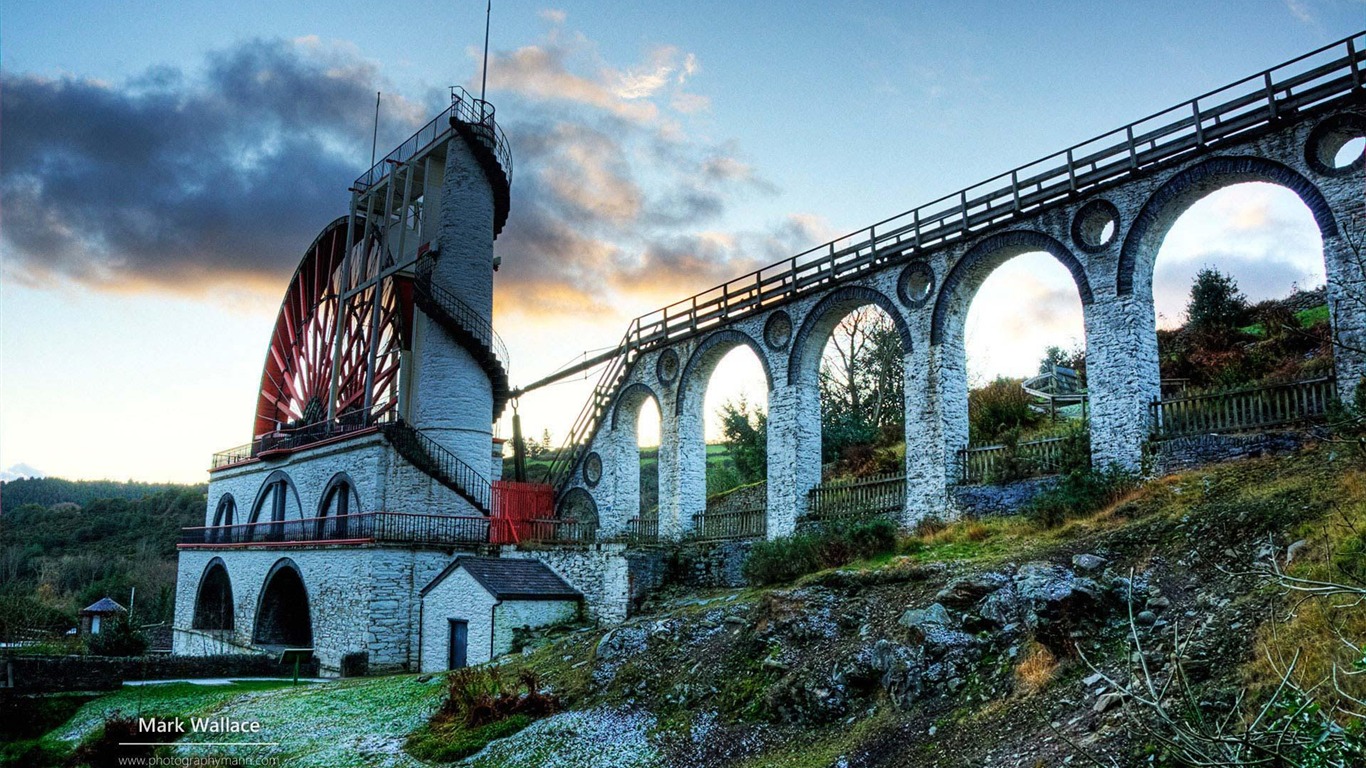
{"x":511,"y":578}
{"x":104,"y":605}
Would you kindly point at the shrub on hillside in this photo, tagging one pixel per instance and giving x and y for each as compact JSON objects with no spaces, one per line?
{"x":787,"y":557}
{"x":1080,"y":493}
{"x":998,"y":408}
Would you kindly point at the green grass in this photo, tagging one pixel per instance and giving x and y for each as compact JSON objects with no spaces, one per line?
{"x":449,"y":742}
{"x":1308,"y":318}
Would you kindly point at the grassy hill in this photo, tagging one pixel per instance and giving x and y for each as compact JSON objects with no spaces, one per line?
{"x":848,"y":667}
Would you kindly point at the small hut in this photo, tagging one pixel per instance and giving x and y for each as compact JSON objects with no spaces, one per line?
{"x":99,"y":614}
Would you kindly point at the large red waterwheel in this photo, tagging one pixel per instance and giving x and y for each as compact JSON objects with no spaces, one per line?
{"x":314,"y":333}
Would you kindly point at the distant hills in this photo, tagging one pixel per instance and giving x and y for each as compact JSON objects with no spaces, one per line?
{"x":46,"y":491}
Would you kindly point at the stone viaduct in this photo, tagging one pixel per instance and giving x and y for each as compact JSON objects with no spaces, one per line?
{"x":1101,"y":208}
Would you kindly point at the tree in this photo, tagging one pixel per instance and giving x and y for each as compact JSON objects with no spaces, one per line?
{"x":1215,"y":304}
{"x":861,"y":382}
{"x":1059,"y":357}
{"x":746,"y":430}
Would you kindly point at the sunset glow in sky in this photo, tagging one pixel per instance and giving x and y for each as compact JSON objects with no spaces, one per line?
{"x":162,"y":168}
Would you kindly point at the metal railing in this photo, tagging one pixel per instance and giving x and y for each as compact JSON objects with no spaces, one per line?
{"x":478,"y":326}
{"x":548,"y":531}
{"x":992,"y":463}
{"x":295,"y":438}
{"x":231,"y":456}
{"x":718,"y":526}
{"x":364,"y":527}
{"x":857,"y":499}
{"x":1232,"y":112}
{"x":465,"y":108}
{"x":436,"y":460}
{"x":1243,"y":409}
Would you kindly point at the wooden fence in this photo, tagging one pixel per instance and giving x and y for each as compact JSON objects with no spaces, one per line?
{"x":642,"y":530}
{"x":741,"y":524}
{"x":857,"y":499}
{"x":1243,"y":409}
{"x":1033,"y":458}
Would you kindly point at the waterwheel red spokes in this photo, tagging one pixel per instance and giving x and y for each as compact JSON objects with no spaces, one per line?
{"x":297,"y":381}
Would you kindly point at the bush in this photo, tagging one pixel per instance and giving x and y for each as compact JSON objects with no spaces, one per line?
{"x":1080,"y":493}
{"x":998,"y":408}
{"x":788,"y":557}
{"x":478,"y":696}
{"x":107,"y":748}
{"x":119,"y":638}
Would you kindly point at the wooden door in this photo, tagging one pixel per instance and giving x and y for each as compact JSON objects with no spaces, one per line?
{"x":460,"y":632}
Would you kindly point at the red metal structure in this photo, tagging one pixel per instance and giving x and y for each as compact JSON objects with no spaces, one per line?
{"x":521,"y":506}
{"x":341,"y":316}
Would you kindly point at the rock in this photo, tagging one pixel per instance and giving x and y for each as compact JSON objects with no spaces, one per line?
{"x":1107,"y":701}
{"x":966,"y":590}
{"x":1088,"y":562}
{"x":1093,"y":679}
{"x":1159,"y":604}
{"x":933,"y":617}
{"x":1293,"y":550}
{"x":1001,"y":608}
{"x":621,"y":642}
{"x":1050,"y":591}
{"x":1145,"y":618}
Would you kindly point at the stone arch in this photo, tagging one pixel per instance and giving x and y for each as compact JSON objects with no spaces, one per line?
{"x":339,"y":500}
{"x":623,"y":453}
{"x":820,"y":322}
{"x":1166,"y":205}
{"x":968,"y":274}
{"x":213,"y":604}
{"x":631,"y":398}
{"x":226,"y":511}
{"x":704,"y":359}
{"x":689,"y":469}
{"x":278,"y":489}
{"x":283,"y":618}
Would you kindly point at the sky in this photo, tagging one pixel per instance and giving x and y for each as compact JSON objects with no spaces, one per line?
{"x":163,"y":167}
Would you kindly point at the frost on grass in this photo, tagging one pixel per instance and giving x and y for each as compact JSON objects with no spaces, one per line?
{"x":361,"y":723}
{"x":601,"y":736}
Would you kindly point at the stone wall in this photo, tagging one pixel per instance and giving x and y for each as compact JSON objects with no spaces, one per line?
{"x":708,"y":565}
{"x":613,"y":579}
{"x":43,"y":674}
{"x":1183,"y":453}
{"x":991,"y":500}
{"x":382,"y":478}
{"x":362,"y":599}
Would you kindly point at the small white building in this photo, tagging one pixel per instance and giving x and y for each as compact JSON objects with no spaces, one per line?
{"x":471,"y":609}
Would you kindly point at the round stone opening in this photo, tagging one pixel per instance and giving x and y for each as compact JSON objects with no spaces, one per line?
{"x":1337,"y":146}
{"x":1095,"y":225}
{"x":592,"y":469}
{"x":778,"y":330}
{"x":916,"y":284}
{"x":667,"y":366}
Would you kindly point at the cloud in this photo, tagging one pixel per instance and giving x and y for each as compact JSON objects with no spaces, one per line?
{"x":1300,"y":10}
{"x":19,"y":471}
{"x":177,"y":182}
{"x":647,"y":79}
{"x":207,"y":180}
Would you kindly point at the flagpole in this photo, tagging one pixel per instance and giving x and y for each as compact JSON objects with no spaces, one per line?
{"x":483,"y":86}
